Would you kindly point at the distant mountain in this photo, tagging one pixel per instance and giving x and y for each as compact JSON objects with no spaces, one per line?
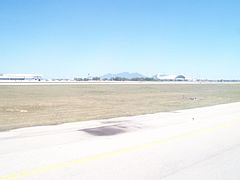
{"x":126,"y":75}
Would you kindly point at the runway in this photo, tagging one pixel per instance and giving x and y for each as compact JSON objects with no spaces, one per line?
{"x":199,"y":144}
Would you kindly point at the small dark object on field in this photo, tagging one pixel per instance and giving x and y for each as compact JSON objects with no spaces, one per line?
{"x":193,"y":98}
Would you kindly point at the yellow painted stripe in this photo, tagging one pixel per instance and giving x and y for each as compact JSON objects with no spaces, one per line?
{"x":67,"y":164}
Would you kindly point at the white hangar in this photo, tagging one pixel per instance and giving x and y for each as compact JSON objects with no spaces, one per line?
{"x":20,"y":77}
{"x":162,"y":77}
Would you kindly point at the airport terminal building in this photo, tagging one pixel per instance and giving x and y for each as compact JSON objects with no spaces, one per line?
{"x":20,"y":77}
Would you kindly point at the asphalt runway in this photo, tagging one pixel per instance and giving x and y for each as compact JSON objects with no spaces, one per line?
{"x":196,"y":144}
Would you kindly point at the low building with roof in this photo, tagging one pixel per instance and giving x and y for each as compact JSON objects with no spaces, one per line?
{"x":162,"y":77}
{"x":20,"y":77}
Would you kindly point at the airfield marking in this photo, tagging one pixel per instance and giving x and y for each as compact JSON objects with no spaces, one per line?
{"x":70,"y":163}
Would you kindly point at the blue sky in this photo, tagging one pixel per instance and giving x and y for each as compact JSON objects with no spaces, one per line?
{"x":68,"y":38}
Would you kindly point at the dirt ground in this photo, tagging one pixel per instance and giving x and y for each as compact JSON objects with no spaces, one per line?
{"x":23,"y":106}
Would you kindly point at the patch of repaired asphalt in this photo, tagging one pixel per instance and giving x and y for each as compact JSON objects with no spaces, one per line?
{"x":109,"y":130}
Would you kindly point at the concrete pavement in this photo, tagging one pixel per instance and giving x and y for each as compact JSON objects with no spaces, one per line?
{"x":202,"y":143}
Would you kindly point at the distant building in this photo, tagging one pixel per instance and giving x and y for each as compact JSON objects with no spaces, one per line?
{"x":162,"y":77}
{"x":20,"y":77}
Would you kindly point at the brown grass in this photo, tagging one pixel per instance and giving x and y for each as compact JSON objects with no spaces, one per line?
{"x":23,"y":106}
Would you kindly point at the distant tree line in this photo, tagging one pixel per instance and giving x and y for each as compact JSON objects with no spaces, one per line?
{"x":132,"y":79}
{"x":87,"y":79}
{"x":116,"y":79}
{"x":141,"y":79}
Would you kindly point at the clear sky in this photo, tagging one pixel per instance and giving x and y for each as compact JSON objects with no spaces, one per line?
{"x":68,"y":38}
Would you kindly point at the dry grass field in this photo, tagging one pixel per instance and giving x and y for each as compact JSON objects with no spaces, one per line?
{"x":23,"y":106}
